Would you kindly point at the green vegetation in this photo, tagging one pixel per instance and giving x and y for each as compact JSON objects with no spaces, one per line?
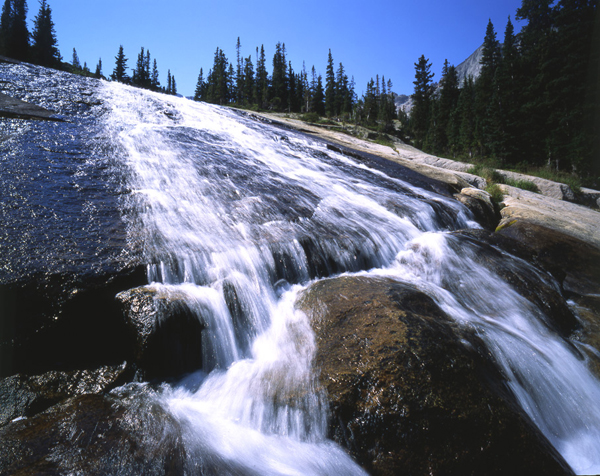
{"x":496,"y":195}
{"x":535,"y":105}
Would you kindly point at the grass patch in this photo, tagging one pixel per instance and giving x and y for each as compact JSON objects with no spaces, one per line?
{"x":522,"y":184}
{"x":496,"y":195}
{"x":488,"y":173}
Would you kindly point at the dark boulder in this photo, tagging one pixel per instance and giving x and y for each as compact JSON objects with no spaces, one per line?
{"x":480,"y":204}
{"x":535,"y":284}
{"x":407,"y":395}
{"x":65,"y":322}
{"x":168,"y":335}
{"x":95,"y":435}
{"x":23,"y":396}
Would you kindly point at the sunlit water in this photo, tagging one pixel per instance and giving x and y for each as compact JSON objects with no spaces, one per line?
{"x":228,"y":209}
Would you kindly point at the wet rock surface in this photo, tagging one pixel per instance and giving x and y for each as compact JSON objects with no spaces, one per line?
{"x":407,"y":395}
{"x":23,"y":396}
{"x":95,"y":434}
{"x":64,"y":322}
{"x":168,"y":336}
{"x":480,"y":204}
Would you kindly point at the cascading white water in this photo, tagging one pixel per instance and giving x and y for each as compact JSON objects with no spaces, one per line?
{"x":230,"y":209}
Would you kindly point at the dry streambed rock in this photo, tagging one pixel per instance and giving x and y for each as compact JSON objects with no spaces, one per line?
{"x":407,"y":395}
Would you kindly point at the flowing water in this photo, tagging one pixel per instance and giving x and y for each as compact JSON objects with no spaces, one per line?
{"x":229,"y":207}
{"x":238,"y":217}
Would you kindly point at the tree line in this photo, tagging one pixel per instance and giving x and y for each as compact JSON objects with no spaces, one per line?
{"x":247,"y":83}
{"x":41,"y":47}
{"x":535,"y":102}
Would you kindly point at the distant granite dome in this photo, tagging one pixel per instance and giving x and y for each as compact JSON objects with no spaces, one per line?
{"x":469,"y":67}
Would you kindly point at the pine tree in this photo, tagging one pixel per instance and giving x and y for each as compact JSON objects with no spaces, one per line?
{"x":98,"y":73}
{"x":508,"y":91}
{"x":262,"y":79}
{"x":239,"y":73}
{"x":120,"y":71}
{"x":169,"y":89}
{"x":199,"y":92}
{"x":466,"y":116}
{"x":318,"y":103}
{"x":535,"y":45}
{"x":572,"y":97}
{"x":330,"y":100}
{"x":249,"y":92}
{"x":14,"y":35}
{"x":422,"y":96}
{"x":279,"y":79}
{"x":44,"y":48}
{"x":173,"y":86}
{"x":5,"y":25}
{"x":75,"y":61}
{"x":448,"y":101}
{"x":486,"y":106}
{"x":154,"y":80}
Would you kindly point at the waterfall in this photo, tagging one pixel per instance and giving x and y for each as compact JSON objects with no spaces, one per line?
{"x":226,"y":207}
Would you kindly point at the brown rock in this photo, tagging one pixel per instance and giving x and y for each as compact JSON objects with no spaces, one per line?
{"x":407,"y":395}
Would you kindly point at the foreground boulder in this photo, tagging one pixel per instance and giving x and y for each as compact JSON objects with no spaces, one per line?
{"x":95,"y":435}
{"x":23,"y":396}
{"x":168,"y":335}
{"x":407,"y":396}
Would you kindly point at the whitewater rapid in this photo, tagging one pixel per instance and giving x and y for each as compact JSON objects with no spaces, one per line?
{"x":225,"y":207}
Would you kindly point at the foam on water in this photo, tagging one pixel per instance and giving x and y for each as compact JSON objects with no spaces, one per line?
{"x":230,"y":210}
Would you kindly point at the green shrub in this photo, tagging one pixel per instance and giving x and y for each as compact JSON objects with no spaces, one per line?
{"x":496,"y":195}
{"x":310,"y":117}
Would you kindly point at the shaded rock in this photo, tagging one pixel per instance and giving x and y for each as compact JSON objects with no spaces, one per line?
{"x":480,"y":204}
{"x":407,"y":395}
{"x":54,"y":323}
{"x":535,"y":285}
{"x":572,"y":261}
{"x":168,"y":335}
{"x":94,"y":435}
{"x":24,"y":396}
{"x":15,"y":108}
{"x":567,"y":218}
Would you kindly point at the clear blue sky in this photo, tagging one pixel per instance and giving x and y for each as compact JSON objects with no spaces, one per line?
{"x":384,"y":37}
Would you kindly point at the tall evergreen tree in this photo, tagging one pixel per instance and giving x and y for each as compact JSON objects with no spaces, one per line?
{"x":14,"y":35}
{"x":536,"y":43}
{"x":508,"y":98}
{"x":249,"y":89}
{"x":486,"y":106}
{"x":154,"y":79}
{"x":279,"y":79}
{"x":5,"y":26}
{"x":239,"y":73}
{"x":447,"y":103}
{"x":200,"y":86}
{"x":120,"y":71}
{"x":422,"y":96}
{"x":318,"y":102}
{"x":75,"y":61}
{"x":571,"y":97}
{"x":330,"y":100}
{"x":44,"y":48}
{"x":98,"y":72}
{"x":262,"y":79}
